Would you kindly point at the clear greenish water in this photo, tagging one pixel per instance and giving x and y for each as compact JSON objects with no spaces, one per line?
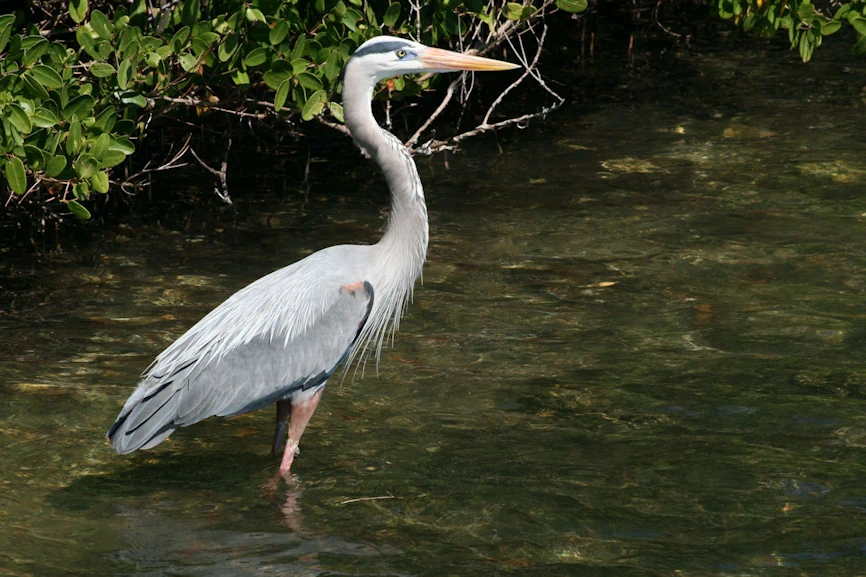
{"x":638,"y":350}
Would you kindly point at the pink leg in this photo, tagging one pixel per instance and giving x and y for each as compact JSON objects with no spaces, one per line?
{"x":300,"y":416}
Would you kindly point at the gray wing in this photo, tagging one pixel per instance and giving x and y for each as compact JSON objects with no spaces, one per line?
{"x":257,"y":353}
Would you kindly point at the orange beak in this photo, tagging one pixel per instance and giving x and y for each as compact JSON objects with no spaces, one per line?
{"x":436,"y":59}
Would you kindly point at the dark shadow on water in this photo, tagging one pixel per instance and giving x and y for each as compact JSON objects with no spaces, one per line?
{"x":206,"y":512}
{"x":147,"y":473}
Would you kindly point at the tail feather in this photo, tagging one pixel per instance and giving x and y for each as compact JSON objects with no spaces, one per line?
{"x":147,"y":419}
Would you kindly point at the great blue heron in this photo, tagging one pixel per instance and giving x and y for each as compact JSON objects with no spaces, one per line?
{"x":280,"y":338}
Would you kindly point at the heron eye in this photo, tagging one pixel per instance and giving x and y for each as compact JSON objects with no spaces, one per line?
{"x":401,"y":53}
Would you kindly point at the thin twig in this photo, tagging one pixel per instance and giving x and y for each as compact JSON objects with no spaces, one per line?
{"x":340,"y":127}
{"x":306,"y":182}
{"x":449,"y":93}
{"x":205,"y":104}
{"x":166,"y":165}
{"x":530,"y":69}
{"x":223,"y":191}
{"x":450,"y":144}
{"x":388,"y":496}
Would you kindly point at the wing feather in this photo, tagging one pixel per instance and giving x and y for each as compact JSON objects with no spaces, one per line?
{"x":286,"y":331}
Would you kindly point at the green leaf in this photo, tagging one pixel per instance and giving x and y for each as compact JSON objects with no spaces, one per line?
{"x":859,"y":49}
{"x":5,"y":29}
{"x":55,"y":166}
{"x":178,"y":41}
{"x":100,"y":147}
{"x":78,"y":107}
{"x":112,"y":158}
{"x":6,"y":20}
{"x":78,"y":210}
{"x":298,"y":49}
{"x":307,"y":80}
{"x":806,"y":46}
{"x":314,"y":105}
{"x":124,"y":71}
{"x":513,"y":10}
{"x":191,"y":12}
{"x":47,"y":77}
{"x":280,"y":70}
{"x":805,"y":10}
{"x":299,"y":65}
{"x":15,"y":175}
{"x":392,"y":14}
{"x":44,"y":118}
{"x":35,"y":157}
{"x":101,"y":24}
{"x":333,"y":65}
{"x":573,"y":6}
{"x":34,"y":52}
{"x":17,"y":139}
{"x":228,"y":47}
{"x":74,"y":139}
{"x":859,"y":25}
{"x":844,"y":9}
{"x":100,"y":182}
{"x":337,"y":111}
{"x":255,"y":15}
{"x":37,"y":91}
{"x":86,"y":41}
{"x":86,"y":166}
{"x":256,"y":58}
{"x":133,"y":97}
{"x":106,"y":119}
{"x":101,"y":69}
{"x":279,"y":32}
{"x":123,"y":145}
{"x":240,"y":78}
{"x":19,"y":118}
{"x":81,"y":190}
{"x":188,"y":62}
{"x":830,"y":26}
{"x":78,"y":10}
{"x":200,"y":46}
{"x":281,"y":95}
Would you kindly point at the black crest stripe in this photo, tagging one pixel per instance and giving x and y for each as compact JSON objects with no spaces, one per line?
{"x":380,"y":47}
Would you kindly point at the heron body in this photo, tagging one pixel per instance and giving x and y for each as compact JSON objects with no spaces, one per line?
{"x":279,"y":339}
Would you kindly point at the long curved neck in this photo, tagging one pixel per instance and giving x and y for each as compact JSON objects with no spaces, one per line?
{"x":406,"y":235}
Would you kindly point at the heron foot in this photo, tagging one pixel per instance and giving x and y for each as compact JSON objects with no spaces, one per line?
{"x":289,"y":455}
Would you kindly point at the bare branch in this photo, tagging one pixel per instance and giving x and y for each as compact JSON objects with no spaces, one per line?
{"x":339,"y":127}
{"x":359,"y":499}
{"x":205,"y":104}
{"x":223,"y":190}
{"x":449,"y":93}
{"x":503,"y":34}
{"x":435,"y":146}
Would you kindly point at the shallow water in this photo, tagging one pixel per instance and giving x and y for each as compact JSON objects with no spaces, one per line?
{"x":638,"y":349}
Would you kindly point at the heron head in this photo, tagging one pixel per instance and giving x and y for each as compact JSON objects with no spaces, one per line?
{"x":387,"y":56}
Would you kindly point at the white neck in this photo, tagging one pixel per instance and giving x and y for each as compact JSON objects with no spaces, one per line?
{"x":406,"y":235}
{"x":398,"y":257}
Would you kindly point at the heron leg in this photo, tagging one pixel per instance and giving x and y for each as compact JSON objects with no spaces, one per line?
{"x":301,"y":413}
{"x":283,"y":408}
